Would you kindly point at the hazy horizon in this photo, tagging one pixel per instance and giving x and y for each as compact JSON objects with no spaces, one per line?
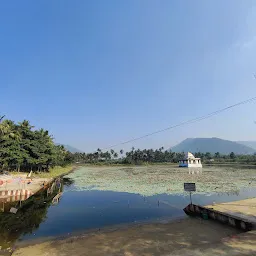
{"x":100,"y":73}
{"x":127,"y":148}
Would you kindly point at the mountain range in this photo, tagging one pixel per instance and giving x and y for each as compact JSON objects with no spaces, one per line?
{"x":214,"y":145}
{"x":204,"y":145}
{"x":251,"y":144}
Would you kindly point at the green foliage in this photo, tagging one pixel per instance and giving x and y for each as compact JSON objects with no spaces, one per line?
{"x":150,"y":156}
{"x":232,"y":155}
{"x":54,"y":172}
{"x":24,"y":148}
{"x":133,"y":157}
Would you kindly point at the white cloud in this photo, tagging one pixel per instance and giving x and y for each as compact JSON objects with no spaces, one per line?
{"x":246,"y":43}
{"x":250,"y":43}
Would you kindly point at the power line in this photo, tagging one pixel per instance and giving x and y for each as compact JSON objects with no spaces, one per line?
{"x":185,"y":122}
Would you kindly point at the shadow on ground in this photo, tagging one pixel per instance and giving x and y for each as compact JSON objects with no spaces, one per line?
{"x":185,"y":237}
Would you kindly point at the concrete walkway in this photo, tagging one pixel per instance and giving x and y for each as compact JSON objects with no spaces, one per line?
{"x":244,"y":209}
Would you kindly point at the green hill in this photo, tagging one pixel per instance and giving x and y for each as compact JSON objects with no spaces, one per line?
{"x":212,"y":145}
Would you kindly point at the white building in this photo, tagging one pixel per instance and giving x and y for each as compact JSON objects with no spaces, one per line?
{"x":190,"y":161}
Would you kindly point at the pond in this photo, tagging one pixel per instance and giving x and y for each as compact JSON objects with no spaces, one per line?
{"x":83,"y":210}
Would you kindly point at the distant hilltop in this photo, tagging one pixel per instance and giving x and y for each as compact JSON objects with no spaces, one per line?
{"x":214,"y":145}
{"x":70,"y":148}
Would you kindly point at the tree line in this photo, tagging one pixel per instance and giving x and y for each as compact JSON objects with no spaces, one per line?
{"x":131,"y":157}
{"x":138,"y":156}
{"x":24,"y":148}
{"x":232,"y":157}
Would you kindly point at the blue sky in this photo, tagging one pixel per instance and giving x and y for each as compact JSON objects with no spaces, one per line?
{"x":96,"y":73}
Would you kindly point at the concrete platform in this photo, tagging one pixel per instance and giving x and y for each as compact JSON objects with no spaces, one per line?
{"x":240,"y":214}
{"x":20,"y":188}
{"x":243,"y":209}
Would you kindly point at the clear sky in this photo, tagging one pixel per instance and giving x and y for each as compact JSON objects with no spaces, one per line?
{"x":96,"y":73}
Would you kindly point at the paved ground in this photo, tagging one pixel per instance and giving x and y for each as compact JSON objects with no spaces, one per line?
{"x":12,"y":186}
{"x":245,"y":209}
{"x":186,"y":237}
{"x":21,"y":182}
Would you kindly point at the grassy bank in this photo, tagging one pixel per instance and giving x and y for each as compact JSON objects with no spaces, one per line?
{"x":55,"y":172}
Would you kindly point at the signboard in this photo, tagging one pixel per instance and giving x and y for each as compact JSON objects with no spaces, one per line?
{"x":189,"y":187}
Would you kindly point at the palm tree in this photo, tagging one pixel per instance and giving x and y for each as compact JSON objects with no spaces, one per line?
{"x":217,"y":155}
{"x":27,"y":149}
{"x":232,"y":155}
{"x":107,"y":155}
{"x":161,"y":149}
{"x":26,"y":124}
{"x":100,"y":153}
{"x":9,"y":130}
{"x":2,"y":129}
{"x":4,"y":126}
{"x":208,"y":155}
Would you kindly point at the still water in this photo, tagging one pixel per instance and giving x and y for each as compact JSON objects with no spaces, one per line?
{"x":80,"y":211}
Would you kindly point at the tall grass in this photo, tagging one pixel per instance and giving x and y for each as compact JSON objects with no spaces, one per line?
{"x":54,"y":172}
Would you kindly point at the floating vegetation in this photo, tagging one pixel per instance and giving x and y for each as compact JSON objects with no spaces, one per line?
{"x":152,"y":180}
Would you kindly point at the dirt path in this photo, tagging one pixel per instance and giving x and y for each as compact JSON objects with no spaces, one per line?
{"x":185,"y":237}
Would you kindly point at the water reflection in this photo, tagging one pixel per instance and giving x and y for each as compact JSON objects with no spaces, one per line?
{"x":194,"y":170}
{"x":230,"y":193}
{"x":30,"y":214}
{"x":59,"y":210}
{"x":68,"y":182}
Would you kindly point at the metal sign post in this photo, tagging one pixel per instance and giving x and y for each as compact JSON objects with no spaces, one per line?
{"x":190,"y":187}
